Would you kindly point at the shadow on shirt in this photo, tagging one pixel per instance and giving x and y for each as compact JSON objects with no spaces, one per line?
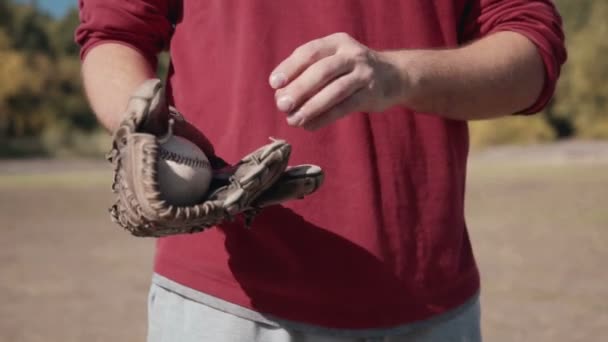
{"x":293,"y":269}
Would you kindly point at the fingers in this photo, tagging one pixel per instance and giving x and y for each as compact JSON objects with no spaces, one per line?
{"x":323,"y":80}
{"x":328,"y":97}
{"x":312,"y":80}
{"x":300,"y":59}
{"x":306,"y":55}
{"x":349,"y":105}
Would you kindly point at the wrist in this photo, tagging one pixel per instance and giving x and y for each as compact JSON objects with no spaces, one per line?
{"x":408,"y":65}
{"x":395,"y":82}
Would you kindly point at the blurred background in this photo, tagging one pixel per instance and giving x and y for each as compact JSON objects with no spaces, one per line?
{"x":537,"y":200}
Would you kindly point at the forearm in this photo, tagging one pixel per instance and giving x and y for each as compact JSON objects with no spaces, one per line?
{"x":496,"y":76}
{"x":111,"y":72}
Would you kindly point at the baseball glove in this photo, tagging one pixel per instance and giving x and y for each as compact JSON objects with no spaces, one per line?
{"x":259,"y":179}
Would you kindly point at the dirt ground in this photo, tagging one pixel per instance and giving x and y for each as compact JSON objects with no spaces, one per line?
{"x":538,"y":219}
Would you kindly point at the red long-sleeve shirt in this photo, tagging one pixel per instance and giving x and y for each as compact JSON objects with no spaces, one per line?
{"x":384,"y":242}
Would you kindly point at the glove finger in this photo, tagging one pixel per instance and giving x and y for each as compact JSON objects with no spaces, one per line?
{"x":254,"y":174}
{"x":139,"y":206}
{"x":295,"y":183}
{"x":145,"y":107}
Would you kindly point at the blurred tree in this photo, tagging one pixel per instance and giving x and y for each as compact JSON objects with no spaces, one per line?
{"x":66,"y":98}
{"x":62,"y":38}
{"x":30,"y":29}
{"x":575,"y":14}
{"x":580,"y":105}
{"x":26,"y":72}
{"x":6,"y":12}
{"x":23,"y":83}
{"x":582,"y":94}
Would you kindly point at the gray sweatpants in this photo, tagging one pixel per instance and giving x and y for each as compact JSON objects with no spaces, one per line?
{"x":174,"y":318}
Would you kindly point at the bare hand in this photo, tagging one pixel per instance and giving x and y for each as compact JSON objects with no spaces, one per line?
{"x":331,"y":77}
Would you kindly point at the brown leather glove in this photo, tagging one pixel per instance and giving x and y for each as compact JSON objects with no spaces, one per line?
{"x":259,"y":179}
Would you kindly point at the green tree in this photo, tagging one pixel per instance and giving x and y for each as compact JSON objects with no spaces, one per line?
{"x":62,"y":38}
{"x":30,"y":29}
{"x":580,"y":106}
{"x":582,"y":94}
{"x":6,"y":12}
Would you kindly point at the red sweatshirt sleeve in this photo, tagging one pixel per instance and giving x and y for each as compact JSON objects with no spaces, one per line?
{"x":141,"y":24}
{"x":538,"y":20}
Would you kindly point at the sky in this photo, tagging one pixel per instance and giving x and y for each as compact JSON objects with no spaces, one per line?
{"x":56,"y":8}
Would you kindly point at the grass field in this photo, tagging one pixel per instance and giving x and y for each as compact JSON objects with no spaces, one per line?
{"x":539,"y":228}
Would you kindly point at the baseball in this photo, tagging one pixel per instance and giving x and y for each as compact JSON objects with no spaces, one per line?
{"x":184,"y":172}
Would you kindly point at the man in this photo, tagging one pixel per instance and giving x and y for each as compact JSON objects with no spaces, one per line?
{"x":378,"y":93}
